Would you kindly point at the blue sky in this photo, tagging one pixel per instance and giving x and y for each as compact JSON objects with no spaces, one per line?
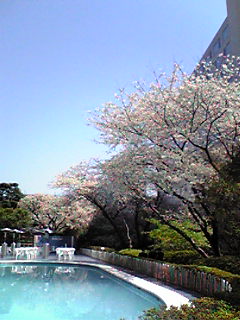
{"x":61,"y":58}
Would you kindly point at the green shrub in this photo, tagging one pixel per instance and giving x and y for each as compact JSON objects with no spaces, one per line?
{"x":130,"y":252}
{"x":170,"y":240}
{"x":227,"y":263}
{"x":199,"y":309}
{"x":155,"y":253}
{"x":234,"y":279}
{"x":181,"y":256}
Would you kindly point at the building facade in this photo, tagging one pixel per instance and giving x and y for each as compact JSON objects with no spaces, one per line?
{"x":227,"y":39}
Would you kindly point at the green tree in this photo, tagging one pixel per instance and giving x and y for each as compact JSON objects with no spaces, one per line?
{"x":222,"y":198}
{"x":14,"y":218}
{"x":10,"y":195}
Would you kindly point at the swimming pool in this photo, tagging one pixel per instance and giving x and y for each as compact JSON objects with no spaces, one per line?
{"x":66,"y":292}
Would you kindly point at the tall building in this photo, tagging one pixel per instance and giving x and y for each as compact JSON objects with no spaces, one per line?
{"x":227,"y":39}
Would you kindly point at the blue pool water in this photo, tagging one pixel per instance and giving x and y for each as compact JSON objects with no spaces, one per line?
{"x":64,"y":292}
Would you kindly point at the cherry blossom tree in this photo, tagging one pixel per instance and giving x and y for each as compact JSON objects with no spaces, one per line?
{"x":57,"y":213}
{"x":123,"y":211}
{"x":173,"y":138}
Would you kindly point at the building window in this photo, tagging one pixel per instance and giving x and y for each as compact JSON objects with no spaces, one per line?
{"x":227,"y":49}
{"x":216,"y":47}
{"x":225,"y":34}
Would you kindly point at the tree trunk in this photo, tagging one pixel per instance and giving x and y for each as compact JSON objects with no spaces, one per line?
{"x":128,"y":234}
{"x":137,"y":228}
{"x":215,"y":239}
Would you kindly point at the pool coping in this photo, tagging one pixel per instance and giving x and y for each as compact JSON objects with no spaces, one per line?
{"x":169,"y":295}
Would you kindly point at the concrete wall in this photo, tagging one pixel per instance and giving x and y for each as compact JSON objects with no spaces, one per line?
{"x":233,"y":11}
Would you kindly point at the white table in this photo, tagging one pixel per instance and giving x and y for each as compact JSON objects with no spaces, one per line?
{"x":28,"y":252}
{"x":65,"y":253}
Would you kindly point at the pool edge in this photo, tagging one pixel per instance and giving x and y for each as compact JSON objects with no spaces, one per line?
{"x":169,"y":295}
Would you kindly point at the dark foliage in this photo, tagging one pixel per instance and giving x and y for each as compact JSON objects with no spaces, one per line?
{"x":227,"y":263}
{"x":10,"y":195}
{"x":200,"y":309}
{"x":14,"y":218}
{"x":181,"y":256}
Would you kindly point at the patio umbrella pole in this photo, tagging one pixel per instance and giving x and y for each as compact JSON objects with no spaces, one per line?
{"x":4,"y":245}
{"x":13,"y":244}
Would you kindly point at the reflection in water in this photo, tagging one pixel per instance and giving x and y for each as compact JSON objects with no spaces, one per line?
{"x":23,"y":269}
{"x":64,"y":270}
{"x":53,"y":292}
